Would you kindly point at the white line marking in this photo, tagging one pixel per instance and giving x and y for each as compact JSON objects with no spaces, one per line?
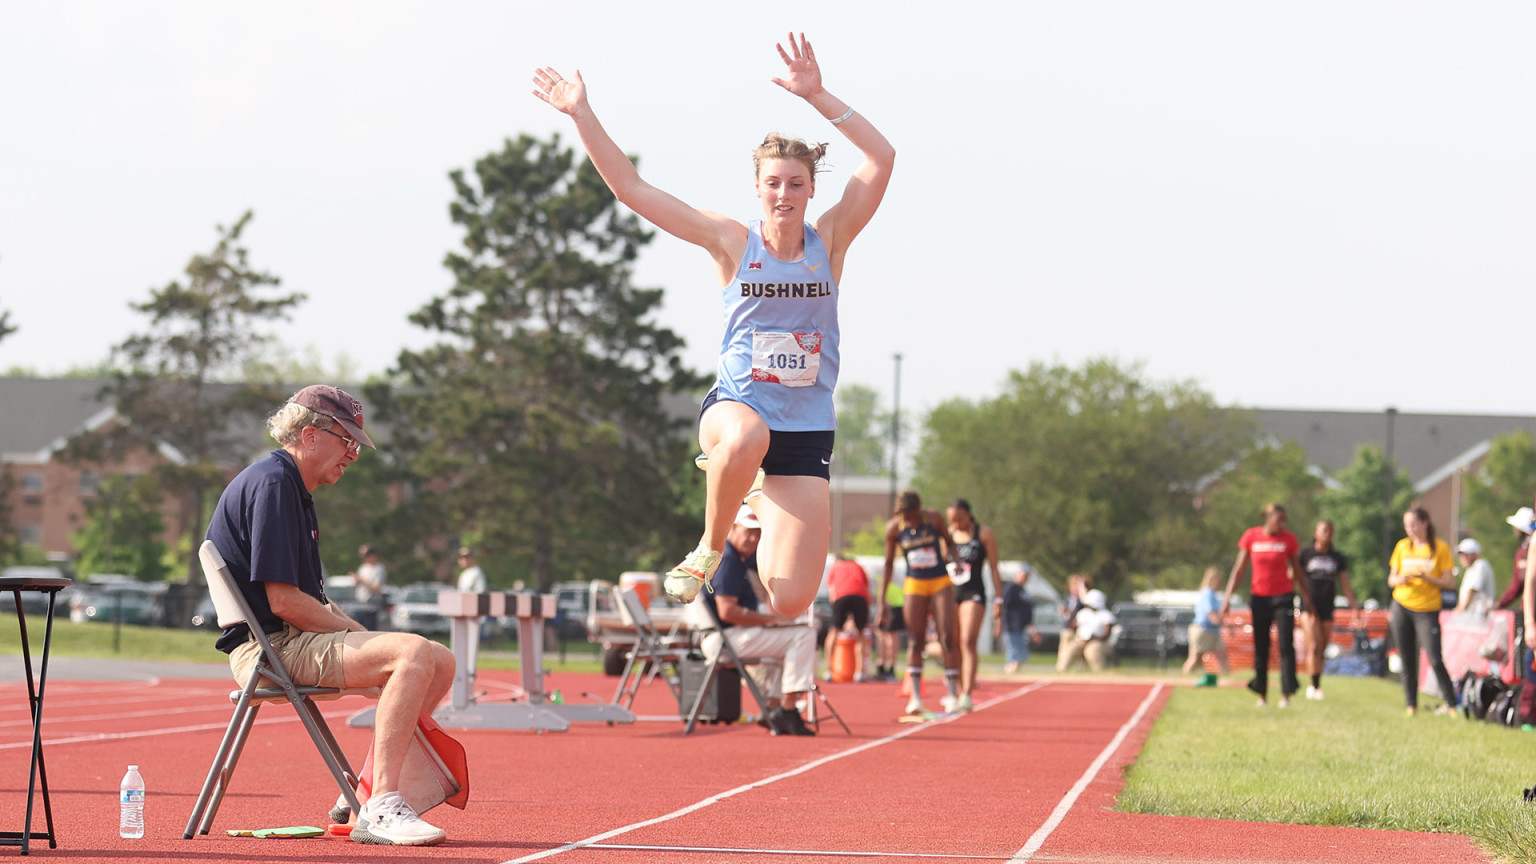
{"x":49,"y":743}
{"x":758,"y":784}
{"x":1043,"y":833}
{"x":946,"y":856}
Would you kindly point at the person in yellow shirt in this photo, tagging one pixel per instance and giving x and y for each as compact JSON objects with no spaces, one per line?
{"x":1421,"y":568}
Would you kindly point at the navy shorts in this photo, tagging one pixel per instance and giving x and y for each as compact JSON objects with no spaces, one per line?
{"x":791,"y":454}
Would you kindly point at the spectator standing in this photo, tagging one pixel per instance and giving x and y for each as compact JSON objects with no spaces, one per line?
{"x":472,"y":580}
{"x":1018,"y":621}
{"x":888,"y":631}
{"x":1272,"y":552}
{"x":1326,"y":570}
{"x":848,"y":589}
{"x":1523,"y":521}
{"x":370,"y":579}
{"x":1420,"y":569}
{"x":1476,"y":594}
{"x":1205,"y":630}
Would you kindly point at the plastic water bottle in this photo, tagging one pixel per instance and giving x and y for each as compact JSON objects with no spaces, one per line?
{"x":131,"y":823}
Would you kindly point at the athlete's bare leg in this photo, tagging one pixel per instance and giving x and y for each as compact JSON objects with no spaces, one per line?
{"x":796,"y":513}
{"x":736,"y":439}
{"x":972,"y":615}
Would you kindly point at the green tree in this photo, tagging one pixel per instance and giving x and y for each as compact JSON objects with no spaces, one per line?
{"x":1269,"y":473}
{"x":175,"y":386}
{"x":1369,"y":493}
{"x":6,"y":327}
{"x":541,"y":415}
{"x":122,"y":530}
{"x":1504,"y":483}
{"x":863,"y":431}
{"x":1088,"y":469}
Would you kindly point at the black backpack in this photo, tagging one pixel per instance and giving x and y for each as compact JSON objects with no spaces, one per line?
{"x":1477,"y":694}
{"x":1505,"y":709}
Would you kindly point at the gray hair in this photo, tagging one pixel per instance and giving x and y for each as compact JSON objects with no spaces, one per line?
{"x":287,"y":422}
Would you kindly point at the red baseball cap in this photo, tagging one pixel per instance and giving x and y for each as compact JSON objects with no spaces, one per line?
{"x":337,"y":404}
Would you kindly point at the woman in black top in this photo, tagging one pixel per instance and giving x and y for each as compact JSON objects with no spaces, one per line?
{"x":976,"y":547}
{"x":1326,"y":569}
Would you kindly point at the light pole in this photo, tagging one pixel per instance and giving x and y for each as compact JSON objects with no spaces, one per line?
{"x":895,"y":432}
{"x":1386,"y":508}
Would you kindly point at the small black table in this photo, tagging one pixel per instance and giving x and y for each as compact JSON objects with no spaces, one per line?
{"x":49,"y":585}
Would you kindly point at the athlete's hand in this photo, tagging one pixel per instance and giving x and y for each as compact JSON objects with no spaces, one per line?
{"x":565,"y":95}
{"x":804,"y":78}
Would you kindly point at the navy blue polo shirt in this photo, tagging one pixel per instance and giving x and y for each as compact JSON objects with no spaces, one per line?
{"x":731,"y":580}
{"x":265,"y":527}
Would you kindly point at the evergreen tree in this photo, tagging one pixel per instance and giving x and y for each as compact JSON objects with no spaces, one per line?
{"x":540,"y":420}
{"x":173,"y":385}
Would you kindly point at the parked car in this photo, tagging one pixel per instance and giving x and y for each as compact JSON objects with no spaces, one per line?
{"x":571,"y":602}
{"x":1150,"y":631}
{"x":128,"y":602}
{"x":32,"y":602}
{"x":414,"y":610}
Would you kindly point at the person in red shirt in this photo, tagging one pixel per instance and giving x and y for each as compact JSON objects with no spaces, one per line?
{"x":1276,"y":571}
{"x":848,"y":589}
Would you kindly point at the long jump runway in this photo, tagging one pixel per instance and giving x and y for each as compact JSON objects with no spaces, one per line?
{"x":1031,"y":775}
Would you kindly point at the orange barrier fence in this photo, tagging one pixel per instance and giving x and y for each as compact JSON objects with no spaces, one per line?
{"x":1237,"y":636}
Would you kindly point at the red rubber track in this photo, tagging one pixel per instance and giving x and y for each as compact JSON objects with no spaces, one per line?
{"x":1030,"y":775}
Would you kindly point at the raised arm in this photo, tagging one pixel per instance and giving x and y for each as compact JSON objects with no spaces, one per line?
{"x":845,"y":219}
{"x":702,"y":228}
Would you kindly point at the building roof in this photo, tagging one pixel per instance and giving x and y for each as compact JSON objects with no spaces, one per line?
{"x":39,"y":413}
{"x":1422,"y":444}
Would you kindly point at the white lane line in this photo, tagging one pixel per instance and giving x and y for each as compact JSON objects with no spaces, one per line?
{"x":758,"y":784}
{"x":50,"y":743}
{"x":1064,"y":806}
{"x":944,"y":856}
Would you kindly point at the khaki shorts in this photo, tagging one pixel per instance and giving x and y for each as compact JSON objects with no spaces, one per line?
{"x":312,"y":659}
{"x":1204,"y":641}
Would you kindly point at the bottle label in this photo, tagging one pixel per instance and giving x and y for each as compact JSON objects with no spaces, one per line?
{"x":133,"y":796}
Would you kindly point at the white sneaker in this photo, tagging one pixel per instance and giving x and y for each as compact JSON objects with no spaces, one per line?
{"x":964,"y":704}
{"x":948,"y":703}
{"x":915,"y":705}
{"x":386,"y":820}
{"x":1314,"y":694}
{"x":684,"y":581}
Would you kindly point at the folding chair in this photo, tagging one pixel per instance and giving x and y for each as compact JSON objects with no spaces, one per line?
{"x":232,"y":609}
{"x":653,"y":654}
{"x":705,"y":623}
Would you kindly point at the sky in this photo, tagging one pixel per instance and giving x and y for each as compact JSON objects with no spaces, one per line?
{"x":1301,"y":204}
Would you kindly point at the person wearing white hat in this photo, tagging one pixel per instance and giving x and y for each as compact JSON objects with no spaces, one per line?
{"x":1476,"y":595}
{"x":757,"y":633}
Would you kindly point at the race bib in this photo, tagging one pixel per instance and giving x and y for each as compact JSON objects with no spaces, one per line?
{"x":923,"y":558}
{"x":961,"y":574}
{"x":791,"y":359}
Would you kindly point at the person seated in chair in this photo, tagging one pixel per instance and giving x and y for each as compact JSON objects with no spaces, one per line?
{"x":266,"y":529}
{"x":755,"y":633}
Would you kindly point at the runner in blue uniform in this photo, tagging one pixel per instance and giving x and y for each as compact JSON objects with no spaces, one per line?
{"x":771,"y":408}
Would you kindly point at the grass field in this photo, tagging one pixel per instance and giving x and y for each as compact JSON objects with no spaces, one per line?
{"x":1353,"y":760}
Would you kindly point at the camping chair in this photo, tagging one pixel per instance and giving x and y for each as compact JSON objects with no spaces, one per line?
{"x":232,"y":609}
{"x":653,"y":653}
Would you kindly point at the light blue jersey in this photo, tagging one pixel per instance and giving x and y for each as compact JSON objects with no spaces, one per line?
{"x":779,"y":356}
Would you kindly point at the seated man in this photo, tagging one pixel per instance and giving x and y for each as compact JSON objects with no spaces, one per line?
{"x":761,"y":634}
{"x":266,"y":529}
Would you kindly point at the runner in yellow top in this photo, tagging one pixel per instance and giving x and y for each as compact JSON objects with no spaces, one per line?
{"x":1420,"y":568}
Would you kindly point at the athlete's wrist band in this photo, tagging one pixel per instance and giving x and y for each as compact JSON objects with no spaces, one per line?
{"x":846,"y":115}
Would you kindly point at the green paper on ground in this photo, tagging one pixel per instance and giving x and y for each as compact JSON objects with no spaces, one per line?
{"x":292,"y":832}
